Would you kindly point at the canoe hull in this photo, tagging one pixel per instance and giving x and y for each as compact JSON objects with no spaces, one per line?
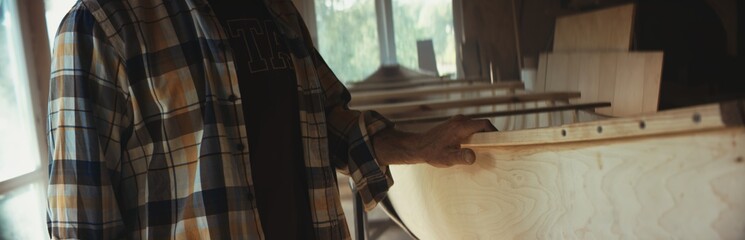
{"x":686,"y":185}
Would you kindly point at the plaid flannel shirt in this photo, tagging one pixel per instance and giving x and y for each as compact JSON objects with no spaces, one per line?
{"x":146,"y":129}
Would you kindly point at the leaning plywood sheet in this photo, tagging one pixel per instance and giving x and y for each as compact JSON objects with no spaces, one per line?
{"x":670,"y":175}
{"x":606,"y":29}
{"x":629,"y":80}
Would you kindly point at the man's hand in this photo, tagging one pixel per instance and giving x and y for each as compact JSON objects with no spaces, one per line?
{"x":440,"y":146}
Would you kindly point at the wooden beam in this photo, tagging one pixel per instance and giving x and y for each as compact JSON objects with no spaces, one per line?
{"x":506,"y":113}
{"x":407,"y":93}
{"x":471,"y":102}
{"x":698,"y":118}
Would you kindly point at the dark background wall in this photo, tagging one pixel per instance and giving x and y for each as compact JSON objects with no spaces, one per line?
{"x":702,"y":41}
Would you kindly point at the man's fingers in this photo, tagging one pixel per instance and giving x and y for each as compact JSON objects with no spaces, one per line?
{"x":490,"y":127}
{"x":470,"y":127}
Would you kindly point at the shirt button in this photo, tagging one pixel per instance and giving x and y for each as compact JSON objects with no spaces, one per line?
{"x":232,"y":98}
{"x":240,"y":146}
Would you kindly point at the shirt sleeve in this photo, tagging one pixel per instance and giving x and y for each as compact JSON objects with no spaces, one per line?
{"x":350,"y":135}
{"x":86,"y":121}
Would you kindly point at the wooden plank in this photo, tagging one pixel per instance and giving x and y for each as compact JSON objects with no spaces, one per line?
{"x":413,"y":83}
{"x":607,"y":81}
{"x":506,"y":113}
{"x":471,"y":102}
{"x":652,"y":80}
{"x":589,"y":76}
{"x":671,"y":186}
{"x":606,"y":29}
{"x":629,"y":87}
{"x":408,"y":93}
{"x":629,"y":80}
{"x":558,"y":72}
{"x":674,"y":121}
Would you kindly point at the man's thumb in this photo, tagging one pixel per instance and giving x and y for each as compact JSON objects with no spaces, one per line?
{"x":468,"y":156}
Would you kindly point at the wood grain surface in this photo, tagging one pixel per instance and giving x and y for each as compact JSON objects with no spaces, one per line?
{"x":601,"y":30}
{"x":674,"y":186}
{"x":629,"y":80}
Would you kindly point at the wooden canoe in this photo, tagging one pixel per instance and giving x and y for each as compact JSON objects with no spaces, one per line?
{"x":670,"y":175}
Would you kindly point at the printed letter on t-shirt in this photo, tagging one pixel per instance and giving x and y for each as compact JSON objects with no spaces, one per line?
{"x":259,"y":41}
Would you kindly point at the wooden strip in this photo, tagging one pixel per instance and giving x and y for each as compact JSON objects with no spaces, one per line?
{"x":652,"y":79}
{"x":606,"y":80}
{"x":444,"y":104}
{"x":506,"y":113}
{"x":406,"y":93}
{"x":629,"y":89}
{"x":668,"y":122}
{"x":415,"y":78}
{"x":557,"y":72}
{"x":540,"y":78}
{"x":589,"y":75}
{"x":410,"y":84}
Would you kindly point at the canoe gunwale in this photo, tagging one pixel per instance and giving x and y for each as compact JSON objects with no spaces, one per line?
{"x":705,"y":117}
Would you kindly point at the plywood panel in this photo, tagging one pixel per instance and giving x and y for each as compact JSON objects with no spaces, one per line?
{"x":589,"y":76}
{"x":629,"y":89}
{"x":607,"y":81}
{"x":629,"y":80}
{"x":607,"y":29}
{"x":557,"y":72}
{"x":653,"y":76}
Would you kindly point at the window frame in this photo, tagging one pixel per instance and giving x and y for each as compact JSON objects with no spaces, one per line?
{"x":34,"y":66}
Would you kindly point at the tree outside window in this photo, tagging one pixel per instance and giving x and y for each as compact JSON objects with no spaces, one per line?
{"x":348,"y":37}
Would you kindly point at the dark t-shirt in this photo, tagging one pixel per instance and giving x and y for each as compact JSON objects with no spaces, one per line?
{"x":268,"y":87}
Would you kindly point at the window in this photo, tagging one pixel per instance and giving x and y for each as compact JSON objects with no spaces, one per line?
{"x":21,"y":174}
{"x":348,"y":34}
{"x":55,"y":11}
{"x":18,"y":146}
{"x":415,"y":20}
{"x":348,"y":37}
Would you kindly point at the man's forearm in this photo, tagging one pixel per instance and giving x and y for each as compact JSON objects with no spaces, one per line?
{"x":396,"y":147}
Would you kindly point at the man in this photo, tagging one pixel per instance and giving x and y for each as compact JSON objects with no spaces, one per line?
{"x":154,"y":105}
